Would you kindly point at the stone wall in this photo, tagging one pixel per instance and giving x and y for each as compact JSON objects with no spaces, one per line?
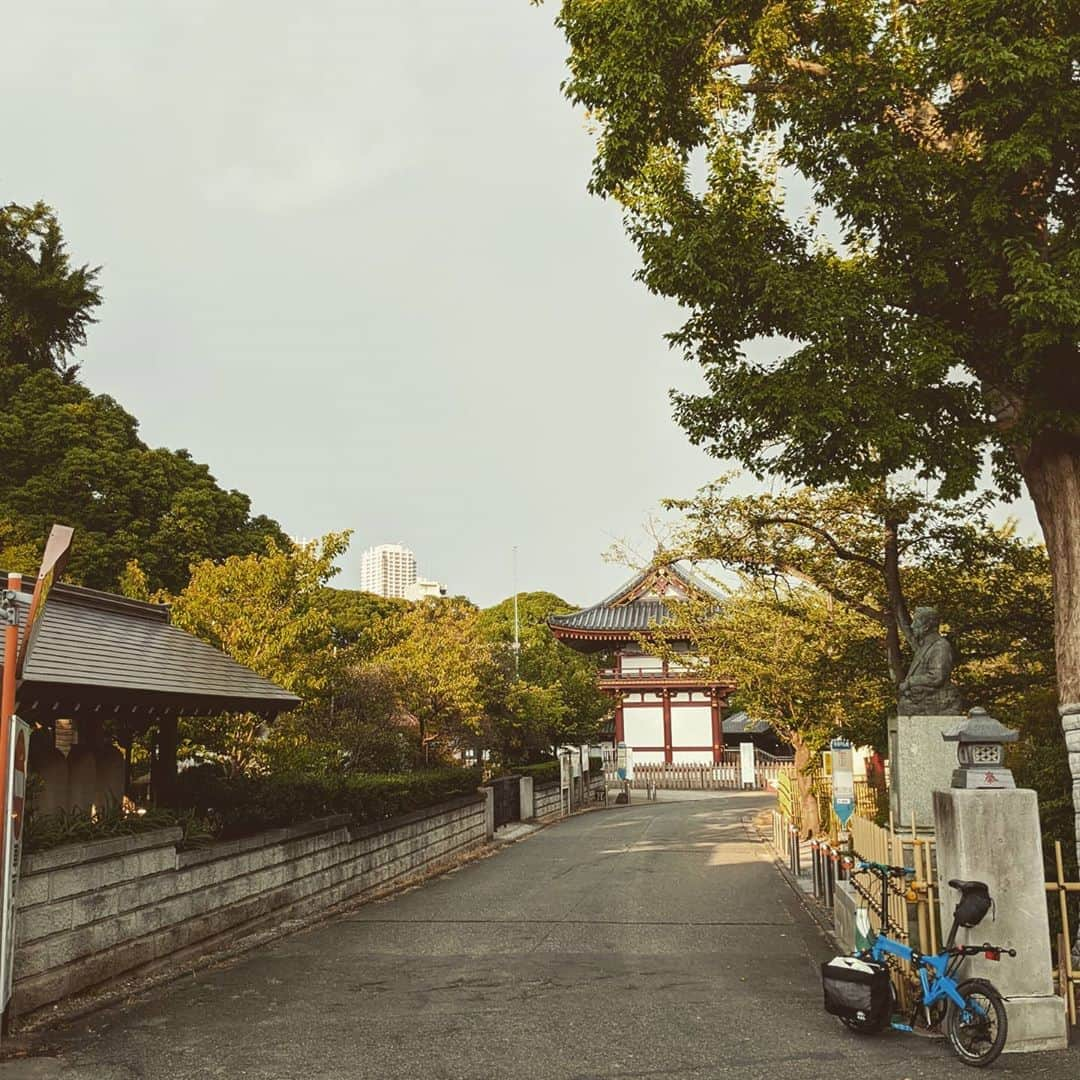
{"x":547,"y":800}
{"x":90,"y":912}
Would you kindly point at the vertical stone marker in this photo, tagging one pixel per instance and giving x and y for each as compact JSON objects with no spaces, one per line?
{"x":929,"y":706}
{"x":920,"y":763}
{"x":993,"y":834}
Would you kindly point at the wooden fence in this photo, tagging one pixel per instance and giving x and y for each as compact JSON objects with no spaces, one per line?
{"x":725,"y":776}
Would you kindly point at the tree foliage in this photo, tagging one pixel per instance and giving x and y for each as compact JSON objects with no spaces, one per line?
{"x":808,"y":666}
{"x":360,"y":618}
{"x":940,"y":136}
{"x":70,"y":456}
{"x":440,"y":665}
{"x":46,"y":303}
{"x":551,"y":696}
{"x":266,"y":611}
{"x":880,"y":552}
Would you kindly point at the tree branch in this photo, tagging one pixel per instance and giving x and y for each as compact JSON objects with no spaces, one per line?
{"x":868,"y":610}
{"x":839,"y":550}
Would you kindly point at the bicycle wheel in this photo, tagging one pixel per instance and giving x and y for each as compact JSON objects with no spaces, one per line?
{"x":977,"y":1032}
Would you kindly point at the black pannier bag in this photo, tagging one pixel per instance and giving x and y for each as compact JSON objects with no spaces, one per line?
{"x":855,"y":989}
{"x":973,"y":906}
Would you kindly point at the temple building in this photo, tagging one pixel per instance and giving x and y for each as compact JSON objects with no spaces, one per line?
{"x":664,"y":711}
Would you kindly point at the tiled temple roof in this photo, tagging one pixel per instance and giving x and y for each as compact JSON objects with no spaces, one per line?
{"x":100,"y":651}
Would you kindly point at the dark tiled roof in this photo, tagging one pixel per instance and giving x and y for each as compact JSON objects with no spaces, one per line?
{"x":741,"y":724}
{"x":97,"y":648}
{"x":637,"y":615}
{"x":620,"y":613}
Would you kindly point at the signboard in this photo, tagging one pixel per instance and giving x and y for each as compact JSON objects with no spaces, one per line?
{"x":566,"y":770}
{"x":585,"y":758}
{"x":624,"y":762}
{"x":13,"y":835}
{"x":746,"y":765}
{"x":57,"y":550}
{"x":843,"y":781}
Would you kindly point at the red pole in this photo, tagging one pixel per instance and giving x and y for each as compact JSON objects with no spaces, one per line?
{"x":7,"y":702}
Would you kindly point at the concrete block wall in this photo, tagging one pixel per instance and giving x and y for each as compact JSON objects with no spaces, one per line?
{"x":90,"y":912}
{"x":547,"y":800}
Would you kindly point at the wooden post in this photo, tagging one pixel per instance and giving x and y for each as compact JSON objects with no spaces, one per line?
{"x":7,"y":699}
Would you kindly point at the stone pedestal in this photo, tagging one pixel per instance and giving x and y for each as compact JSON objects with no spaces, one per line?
{"x":920,"y":763}
{"x":994,"y":836}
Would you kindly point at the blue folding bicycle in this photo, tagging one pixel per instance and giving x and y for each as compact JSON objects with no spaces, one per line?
{"x":971,"y":1013}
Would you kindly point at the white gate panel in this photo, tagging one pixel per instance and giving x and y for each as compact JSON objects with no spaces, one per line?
{"x":644,"y":726}
{"x":691,"y":725}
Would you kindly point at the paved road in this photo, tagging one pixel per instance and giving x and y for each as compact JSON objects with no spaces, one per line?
{"x":655,"y":941}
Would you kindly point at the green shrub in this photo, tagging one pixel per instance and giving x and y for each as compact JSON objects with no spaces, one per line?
{"x":79,"y":826}
{"x":241,"y":805}
{"x":545,"y":772}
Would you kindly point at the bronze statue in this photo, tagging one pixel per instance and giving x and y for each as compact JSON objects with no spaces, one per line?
{"x":928,"y":689}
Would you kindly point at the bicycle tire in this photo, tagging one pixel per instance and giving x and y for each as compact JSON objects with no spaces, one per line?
{"x":961,"y":1028}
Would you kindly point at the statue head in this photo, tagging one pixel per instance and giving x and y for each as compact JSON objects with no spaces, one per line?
{"x":924,"y":621}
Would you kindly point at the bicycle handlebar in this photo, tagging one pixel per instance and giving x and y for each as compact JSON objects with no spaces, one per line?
{"x":882,"y":868}
{"x":992,"y":952}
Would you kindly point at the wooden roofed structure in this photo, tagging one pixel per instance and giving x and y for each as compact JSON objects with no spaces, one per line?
{"x":97,"y":664}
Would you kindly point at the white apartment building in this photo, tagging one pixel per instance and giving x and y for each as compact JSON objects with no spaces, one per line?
{"x":421,"y":589}
{"x":388,"y":570}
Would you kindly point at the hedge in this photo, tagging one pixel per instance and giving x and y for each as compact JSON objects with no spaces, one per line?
{"x":238,"y":806}
{"x":543,"y":773}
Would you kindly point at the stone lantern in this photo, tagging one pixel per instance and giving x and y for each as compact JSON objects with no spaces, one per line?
{"x":981,"y":752}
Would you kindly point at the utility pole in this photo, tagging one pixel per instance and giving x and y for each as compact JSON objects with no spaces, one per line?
{"x":517,"y":623}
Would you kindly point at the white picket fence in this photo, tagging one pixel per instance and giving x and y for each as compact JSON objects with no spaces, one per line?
{"x":725,"y":776}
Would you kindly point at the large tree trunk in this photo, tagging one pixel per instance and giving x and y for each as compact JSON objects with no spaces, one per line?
{"x":808,"y":804}
{"x":1052,"y":472}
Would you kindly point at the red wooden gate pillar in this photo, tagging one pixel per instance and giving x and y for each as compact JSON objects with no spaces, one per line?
{"x":667,"y":725}
{"x":717,"y":730}
{"x":619,"y":737}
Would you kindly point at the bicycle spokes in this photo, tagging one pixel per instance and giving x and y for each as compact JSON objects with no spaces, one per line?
{"x":977,"y":1030}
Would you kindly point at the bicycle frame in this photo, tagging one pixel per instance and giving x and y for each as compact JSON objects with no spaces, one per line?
{"x":938,"y":984}
{"x":936,"y":973}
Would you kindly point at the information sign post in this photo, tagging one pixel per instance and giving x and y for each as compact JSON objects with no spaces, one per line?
{"x":843,"y":781}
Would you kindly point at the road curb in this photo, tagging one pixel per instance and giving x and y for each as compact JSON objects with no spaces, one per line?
{"x":817,"y":914}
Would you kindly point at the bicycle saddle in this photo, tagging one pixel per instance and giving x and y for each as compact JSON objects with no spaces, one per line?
{"x":969,"y":886}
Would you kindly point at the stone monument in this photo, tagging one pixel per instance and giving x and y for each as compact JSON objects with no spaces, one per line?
{"x":988,"y":830}
{"x":929,"y":707}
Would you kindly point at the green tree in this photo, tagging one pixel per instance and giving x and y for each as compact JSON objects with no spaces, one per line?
{"x":70,"y":456}
{"x":941,"y":138}
{"x":265,"y":611}
{"x":550,"y":696}
{"x":878,"y":551}
{"x":359,"y":726}
{"x":440,"y":667}
{"x":359,"y":618}
{"x":802,"y":662}
{"x":46,"y":303}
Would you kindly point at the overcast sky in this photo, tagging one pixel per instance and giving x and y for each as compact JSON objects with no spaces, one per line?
{"x":350,"y":262}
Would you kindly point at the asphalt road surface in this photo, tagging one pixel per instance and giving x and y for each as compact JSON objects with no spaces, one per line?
{"x":651,"y":941}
